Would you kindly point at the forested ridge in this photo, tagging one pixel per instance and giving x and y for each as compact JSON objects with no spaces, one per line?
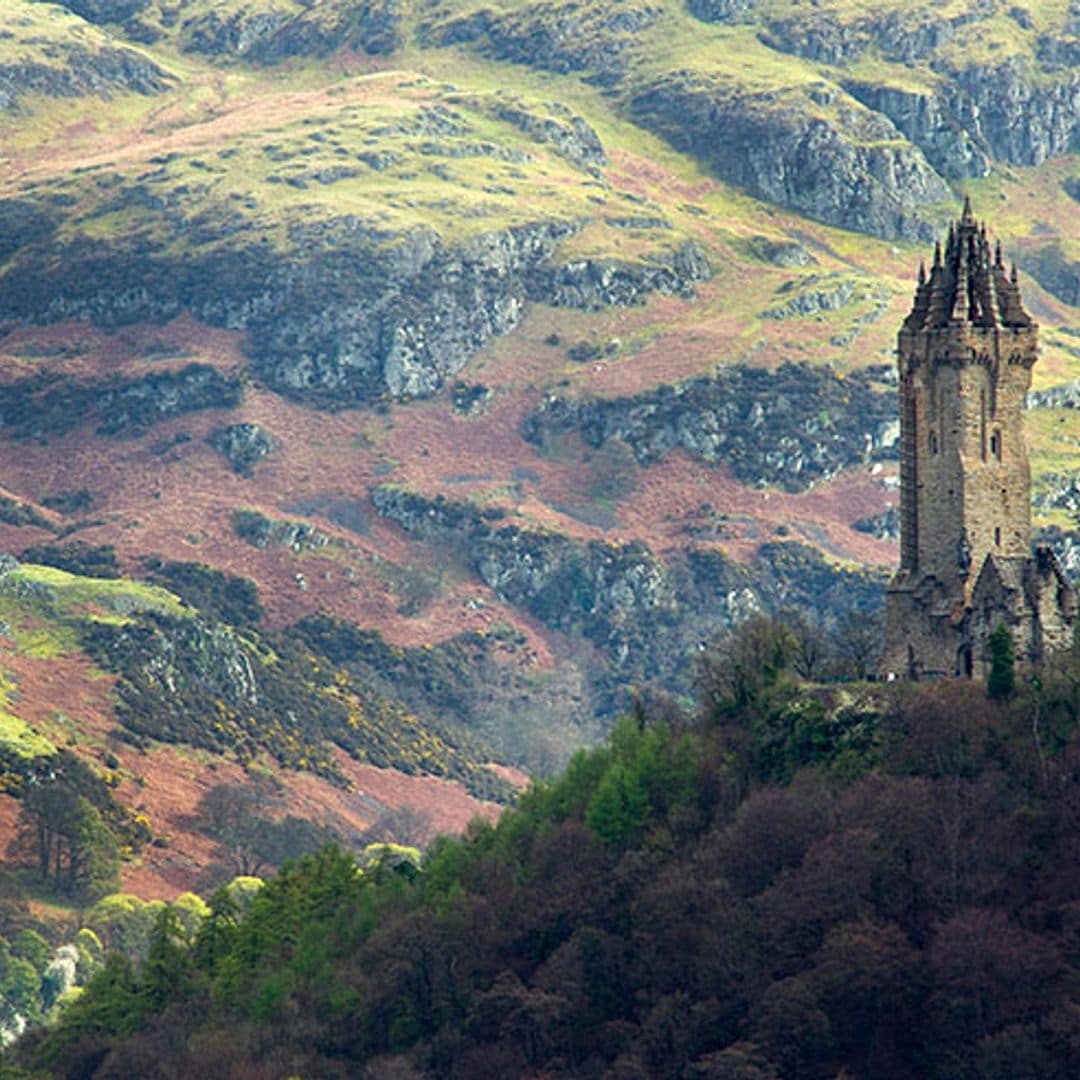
{"x":791,"y":880}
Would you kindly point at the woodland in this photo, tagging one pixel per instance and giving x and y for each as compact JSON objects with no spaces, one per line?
{"x":791,"y":880}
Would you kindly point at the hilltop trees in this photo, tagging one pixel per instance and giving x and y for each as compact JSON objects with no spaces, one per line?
{"x":803,"y":882}
{"x":64,"y":833}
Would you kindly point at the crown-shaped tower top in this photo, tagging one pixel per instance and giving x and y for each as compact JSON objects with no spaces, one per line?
{"x":968,"y":283}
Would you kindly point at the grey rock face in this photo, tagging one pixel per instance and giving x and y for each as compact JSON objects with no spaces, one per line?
{"x":105,"y":11}
{"x":1054,"y":271}
{"x":344,"y":314}
{"x":48,"y":404}
{"x":597,"y":38}
{"x":720,"y":11}
{"x":245,"y":445}
{"x":646,"y":614}
{"x":263,"y":532}
{"x":859,"y":174}
{"x":884,"y":526}
{"x":788,"y":253}
{"x":931,"y":123}
{"x":1023,"y":118}
{"x":1066,"y":545}
{"x":175,"y":655}
{"x":811,"y":296}
{"x":1062,"y":493}
{"x":571,"y":136}
{"x":789,"y":428}
{"x":1066,"y":396}
{"x":592,"y":284}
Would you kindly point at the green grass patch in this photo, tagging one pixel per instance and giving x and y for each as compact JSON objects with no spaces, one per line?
{"x":17,"y":738}
{"x":45,"y":608}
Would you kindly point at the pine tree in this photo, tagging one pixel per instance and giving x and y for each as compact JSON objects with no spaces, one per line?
{"x":1002,"y":681}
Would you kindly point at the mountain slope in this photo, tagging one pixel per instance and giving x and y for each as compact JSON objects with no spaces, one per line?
{"x":545,"y":340}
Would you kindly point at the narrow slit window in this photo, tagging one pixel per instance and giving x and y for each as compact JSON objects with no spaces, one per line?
{"x":995,"y":444}
{"x":997,"y":536}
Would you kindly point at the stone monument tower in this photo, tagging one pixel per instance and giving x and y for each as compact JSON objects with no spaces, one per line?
{"x":965,"y":356}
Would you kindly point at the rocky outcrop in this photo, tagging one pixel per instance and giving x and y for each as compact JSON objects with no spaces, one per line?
{"x":132,"y":406}
{"x":646,"y":614}
{"x":790,"y":428}
{"x":172,"y":656}
{"x":245,"y":445}
{"x":1022,"y":109}
{"x":270,"y":33}
{"x":562,"y":129}
{"x":616,"y":595}
{"x":592,"y":284}
{"x":344,"y":313}
{"x":1051,"y":266}
{"x":930,"y":122}
{"x":1058,"y":492}
{"x":811,"y":296}
{"x":595,"y":38}
{"x":786,"y":253}
{"x":1024,"y":117}
{"x":883,"y":526}
{"x":51,"y":404}
{"x":1065,"y":396}
{"x":1066,"y":546}
{"x":902,"y":35}
{"x":845,"y":166}
{"x":105,"y":11}
{"x":720,"y":11}
{"x":79,"y":71}
{"x":263,"y":532}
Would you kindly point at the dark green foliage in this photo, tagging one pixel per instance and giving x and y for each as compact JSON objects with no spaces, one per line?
{"x":98,"y":561}
{"x":66,"y":837}
{"x":198,"y":682}
{"x":216,"y":594}
{"x":665,"y":909}
{"x":1002,"y":680}
{"x":52,"y":404}
{"x":252,"y":833}
{"x":17,"y":513}
{"x":69,"y":502}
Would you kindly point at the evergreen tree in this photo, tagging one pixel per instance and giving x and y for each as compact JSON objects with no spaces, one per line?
{"x":1002,"y":681}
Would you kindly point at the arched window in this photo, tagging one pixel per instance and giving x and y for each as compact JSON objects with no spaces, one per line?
{"x":933,"y":443}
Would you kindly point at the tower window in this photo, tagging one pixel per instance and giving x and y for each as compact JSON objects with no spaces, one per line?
{"x":995,"y":444}
{"x":997,"y":536}
{"x":933,"y":443}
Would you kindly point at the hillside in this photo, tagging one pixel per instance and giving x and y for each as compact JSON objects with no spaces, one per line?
{"x":797,"y":882}
{"x":508,"y":351}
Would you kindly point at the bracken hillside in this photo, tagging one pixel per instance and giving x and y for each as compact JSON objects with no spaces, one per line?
{"x":386,"y":386}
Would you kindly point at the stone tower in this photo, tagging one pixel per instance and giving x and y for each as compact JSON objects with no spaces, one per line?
{"x":965,"y":356}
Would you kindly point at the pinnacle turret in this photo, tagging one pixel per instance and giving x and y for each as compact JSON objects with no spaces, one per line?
{"x":967,"y":281}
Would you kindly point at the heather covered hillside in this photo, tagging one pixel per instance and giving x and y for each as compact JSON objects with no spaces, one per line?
{"x":403,"y":380}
